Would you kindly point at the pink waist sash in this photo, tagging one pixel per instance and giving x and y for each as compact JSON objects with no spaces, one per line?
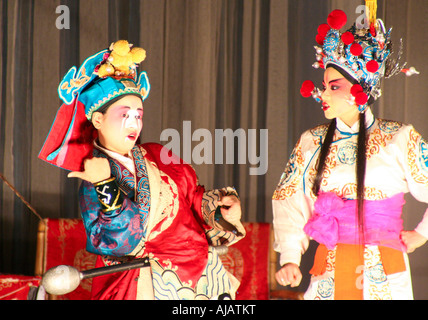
{"x":335,"y":221}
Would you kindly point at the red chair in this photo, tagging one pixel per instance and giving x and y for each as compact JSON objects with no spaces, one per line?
{"x":248,"y":261}
{"x":253,"y":262}
{"x":63,"y":242}
{"x":17,"y":287}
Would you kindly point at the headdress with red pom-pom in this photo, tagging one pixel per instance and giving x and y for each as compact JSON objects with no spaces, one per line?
{"x":364,"y":54}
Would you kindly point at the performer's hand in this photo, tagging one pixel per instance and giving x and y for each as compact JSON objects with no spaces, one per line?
{"x":95,"y":170}
{"x":230,"y":207}
{"x":412,"y":240}
{"x":289,"y":274}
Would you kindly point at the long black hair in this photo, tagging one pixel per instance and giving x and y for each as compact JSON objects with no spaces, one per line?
{"x":360,"y":169}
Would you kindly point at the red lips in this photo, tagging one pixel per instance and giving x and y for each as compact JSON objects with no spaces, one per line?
{"x":325,"y":106}
{"x":133,"y":136}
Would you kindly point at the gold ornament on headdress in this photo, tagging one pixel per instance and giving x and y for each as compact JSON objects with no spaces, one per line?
{"x":122,"y":60}
{"x":372,"y":6}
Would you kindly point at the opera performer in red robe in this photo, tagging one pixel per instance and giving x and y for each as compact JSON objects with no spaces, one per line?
{"x":138,"y":201}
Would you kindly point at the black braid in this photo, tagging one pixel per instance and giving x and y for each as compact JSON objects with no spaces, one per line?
{"x":323,"y":156}
{"x":361,"y":173}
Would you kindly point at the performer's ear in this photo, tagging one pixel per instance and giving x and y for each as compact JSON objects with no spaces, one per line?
{"x":97,"y":118}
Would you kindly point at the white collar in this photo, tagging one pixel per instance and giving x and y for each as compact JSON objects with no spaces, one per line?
{"x":343,"y":127}
{"x":128,"y":162}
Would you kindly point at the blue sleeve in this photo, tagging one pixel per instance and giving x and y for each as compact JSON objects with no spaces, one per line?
{"x":116,"y":232}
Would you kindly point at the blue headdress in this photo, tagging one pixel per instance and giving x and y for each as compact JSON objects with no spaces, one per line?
{"x":101,"y":79}
{"x":364,"y":55}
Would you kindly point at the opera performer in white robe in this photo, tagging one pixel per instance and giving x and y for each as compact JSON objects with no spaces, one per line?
{"x":344,"y":183}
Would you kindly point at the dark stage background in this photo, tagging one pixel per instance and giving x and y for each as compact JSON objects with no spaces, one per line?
{"x":216,"y":63}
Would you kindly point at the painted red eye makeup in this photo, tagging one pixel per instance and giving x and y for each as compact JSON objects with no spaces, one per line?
{"x":335,"y":84}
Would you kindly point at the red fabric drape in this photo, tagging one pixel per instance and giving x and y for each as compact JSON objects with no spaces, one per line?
{"x":248,"y":261}
{"x":17,"y":287}
{"x":66,"y":242}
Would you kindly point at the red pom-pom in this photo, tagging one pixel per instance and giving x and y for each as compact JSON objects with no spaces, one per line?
{"x":337,"y":19}
{"x":323,"y":29}
{"x":347,"y":38}
{"x":319,"y":39}
{"x":307,"y":88}
{"x":361,"y":98}
{"x":356,"y":49}
{"x":372,"y":66}
{"x":356,"y":89}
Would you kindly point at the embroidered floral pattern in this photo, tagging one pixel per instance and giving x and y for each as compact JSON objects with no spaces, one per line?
{"x":347,"y":153}
{"x":375,"y":280}
{"x":377,"y":140}
{"x":349,"y":190}
{"x":75,"y":84}
{"x":75,"y":80}
{"x":291,"y":177}
{"x":417,"y":157}
{"x":343,"y":151}
{"x":169,"y":202}
{"x":389,"y":126}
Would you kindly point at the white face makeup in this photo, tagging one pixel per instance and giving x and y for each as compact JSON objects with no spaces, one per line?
{"x":133,"y":120}
{"x":120,"y":127}
{"x":336,"y":97}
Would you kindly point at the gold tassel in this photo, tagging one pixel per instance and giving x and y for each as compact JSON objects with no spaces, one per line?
{"x":372,"y":7}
